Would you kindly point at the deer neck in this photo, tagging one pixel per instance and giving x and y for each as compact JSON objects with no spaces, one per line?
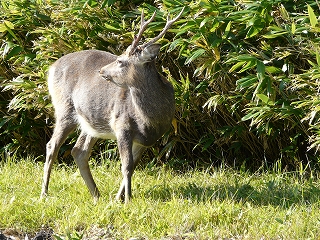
{"x":146,"y":90}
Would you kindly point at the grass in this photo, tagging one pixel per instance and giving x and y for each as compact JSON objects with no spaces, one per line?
{"x":208,"y":204}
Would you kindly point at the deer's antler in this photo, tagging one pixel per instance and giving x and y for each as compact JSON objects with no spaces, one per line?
{"x":161,"y":34}
{"x":143,"y":27}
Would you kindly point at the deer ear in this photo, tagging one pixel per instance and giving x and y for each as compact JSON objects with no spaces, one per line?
{"x":149,"y":53}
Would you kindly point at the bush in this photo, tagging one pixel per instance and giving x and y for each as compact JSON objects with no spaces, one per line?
{"x":246,"y":74}
{"x":253,"y":95}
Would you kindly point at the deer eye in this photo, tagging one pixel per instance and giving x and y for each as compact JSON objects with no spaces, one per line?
{"x":121,"y":63}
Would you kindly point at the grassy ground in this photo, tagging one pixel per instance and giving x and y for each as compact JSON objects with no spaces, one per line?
{"x":211,"y":204}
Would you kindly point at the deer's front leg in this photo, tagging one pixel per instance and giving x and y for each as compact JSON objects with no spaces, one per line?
{"x":125,"y":149}
{"x":137,"y":151}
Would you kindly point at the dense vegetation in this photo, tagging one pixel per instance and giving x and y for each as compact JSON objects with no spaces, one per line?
{"x":246,"y":74}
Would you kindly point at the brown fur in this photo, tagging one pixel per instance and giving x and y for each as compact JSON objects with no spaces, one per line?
{"x":129,"y":102}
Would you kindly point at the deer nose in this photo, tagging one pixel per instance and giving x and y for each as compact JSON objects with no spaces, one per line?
{"x":105,"y":77}
{"x":101,"y":72}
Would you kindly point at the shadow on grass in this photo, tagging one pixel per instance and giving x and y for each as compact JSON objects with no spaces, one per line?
{"x":270,"y":193}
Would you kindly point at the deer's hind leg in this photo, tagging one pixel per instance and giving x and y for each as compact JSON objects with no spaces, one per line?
{"x":81,"y":152}
{"x":63,"y":128}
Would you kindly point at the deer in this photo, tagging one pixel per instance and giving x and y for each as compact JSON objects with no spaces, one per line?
{"x":107,"y":96}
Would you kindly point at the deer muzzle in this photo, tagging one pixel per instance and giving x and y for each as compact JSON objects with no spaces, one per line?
{"x":104,"y":76}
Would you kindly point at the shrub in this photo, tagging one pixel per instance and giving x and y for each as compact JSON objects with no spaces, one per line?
{"x":245,"y":74}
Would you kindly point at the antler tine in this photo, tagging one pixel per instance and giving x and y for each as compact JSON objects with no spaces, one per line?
{"x":143,"y":27}
{"x":167,"y":26}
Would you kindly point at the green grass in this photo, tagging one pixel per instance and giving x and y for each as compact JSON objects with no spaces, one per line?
{"x":211,"y":204}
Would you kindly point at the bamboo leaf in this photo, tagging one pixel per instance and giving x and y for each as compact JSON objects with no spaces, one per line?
{"x":246,"y":57}
{"x":253,"y":31}
{"x":284,"y":12}
{"x":16,"y":50}
{"x":274,"y":34}
{"x":260,"y":70}
{"x":265,"y":99}
{"x":216,"y":53}
{"x":312,"y":16}
{"x":175,"y":44}
{"x":227,"y":30}
{"x":246,"y":82}
{"x":293,"y":28}
{"x":249,"y":65}
{"x":250,"y":115}
{"x":111,"y":28}
{"x":6,"y":25}
{"x":236,"y":66}
{"x":318,"y":58}
{"x":195,"y":55}
{"x":9,"y":25}
{"x":273,"y":69}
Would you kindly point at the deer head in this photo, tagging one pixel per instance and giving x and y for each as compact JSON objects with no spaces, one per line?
{"x":136,"y":56}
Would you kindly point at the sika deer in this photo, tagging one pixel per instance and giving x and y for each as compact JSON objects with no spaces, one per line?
{"x":110,"y":97}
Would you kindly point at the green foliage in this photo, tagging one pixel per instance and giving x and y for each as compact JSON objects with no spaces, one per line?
{"x":255,"y":74}
{"x":246,"y":74}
